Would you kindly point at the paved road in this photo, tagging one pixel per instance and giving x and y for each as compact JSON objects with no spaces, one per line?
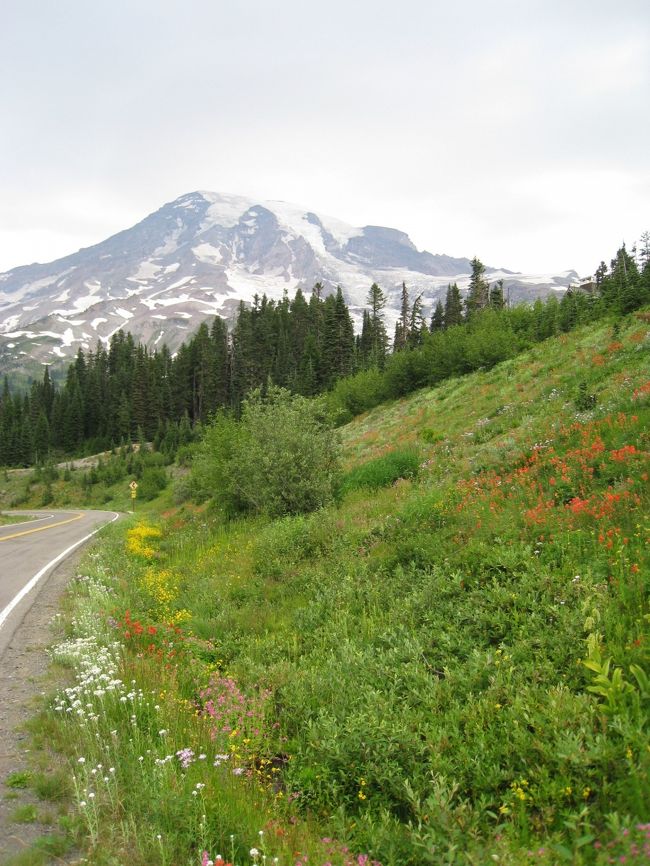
{"x":30,"y":551}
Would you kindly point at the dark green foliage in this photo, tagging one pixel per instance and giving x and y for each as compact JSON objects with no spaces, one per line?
{"x":497,"y":301}
{"x":438,"y":318}
{"x":453,"y":306}
{"x":478,"y":296}
{"x":584,"y":400}
{"x":403,"y":325}
{"x":152,"y":482}
{"x":377,"y":337}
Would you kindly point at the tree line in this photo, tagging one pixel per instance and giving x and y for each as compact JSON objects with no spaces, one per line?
{"x":117,"y":393}
{"x":482,"y":329}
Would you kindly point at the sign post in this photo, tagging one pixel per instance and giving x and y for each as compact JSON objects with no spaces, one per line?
{"x":134,"y":492}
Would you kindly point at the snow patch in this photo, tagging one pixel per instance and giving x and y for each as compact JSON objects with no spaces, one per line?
{"x":245,"y":285}
{"x":67,"y":338}
{"x":147,"y":270}
{"x":74,"y":322}
{"x":96,"y":322}
{"x":224,"y":210}
{"x":294,"y":219}
{"x":179,"y":283}
{"x":340,"y":231}
{"x":125,"y":314}
{"x":79,"y":305}
{"x":169,"y":245}
{"x":9,"y":324}
{"x":207,"y":254}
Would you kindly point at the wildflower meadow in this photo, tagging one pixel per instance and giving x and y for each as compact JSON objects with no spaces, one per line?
{"x":447,"y":665}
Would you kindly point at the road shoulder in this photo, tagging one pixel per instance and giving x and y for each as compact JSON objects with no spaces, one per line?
{"x":24,"y":664}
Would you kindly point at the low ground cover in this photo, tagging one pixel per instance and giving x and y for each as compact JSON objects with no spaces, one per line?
{"x":9,"y":519}
{"x":448,"y":665}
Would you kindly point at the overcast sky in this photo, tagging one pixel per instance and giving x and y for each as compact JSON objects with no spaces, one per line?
{"x":514,"y":130}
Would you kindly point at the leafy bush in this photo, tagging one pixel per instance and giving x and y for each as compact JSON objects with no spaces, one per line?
{"x":356,"y":394}
{"x":382,"y":471}
{"x":152,"y":482}
{"x":281,"y":458}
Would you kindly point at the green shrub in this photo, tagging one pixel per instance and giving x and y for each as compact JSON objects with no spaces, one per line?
{"x":356,"y":394}
{"x":281,"y":458}
{"x":152,"y":482}
{"x":382,"y":471}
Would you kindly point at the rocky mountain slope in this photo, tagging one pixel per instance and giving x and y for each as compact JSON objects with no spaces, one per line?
{"x":199,"y":256}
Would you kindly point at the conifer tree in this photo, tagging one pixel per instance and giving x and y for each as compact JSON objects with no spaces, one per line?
{"x":242,"y":367}
{"x":378,"y":338}
{"x":365,"y":340}
{"x":478,"y":294}
{"x":41,"y":438}
{"x":298,"y":330}
{"x":402,"y":326}
{"x":453,"y":306}
{"x":338,"y":338}
{"x":416,"y":324}
{"x":497,"y":301}
{"x":626,"y":293}
{"x":438,"y":317}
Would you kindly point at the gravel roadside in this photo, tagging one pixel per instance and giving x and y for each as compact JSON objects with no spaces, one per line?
{"x":23,"y":669}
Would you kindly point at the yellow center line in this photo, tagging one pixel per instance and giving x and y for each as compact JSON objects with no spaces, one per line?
{"x":42,"y":528}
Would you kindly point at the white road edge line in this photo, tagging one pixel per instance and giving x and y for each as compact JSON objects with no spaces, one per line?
{"x":28,"y":522}
{"x":32,"y":583}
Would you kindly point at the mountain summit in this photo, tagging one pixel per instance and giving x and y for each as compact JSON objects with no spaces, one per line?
{"x":202,"y":254}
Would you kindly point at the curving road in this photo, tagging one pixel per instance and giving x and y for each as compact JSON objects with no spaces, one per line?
{"x":30,"y":551}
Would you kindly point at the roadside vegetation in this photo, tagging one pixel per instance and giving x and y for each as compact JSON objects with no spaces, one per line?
{"x":444,"y":661}
{"x":104,"y":484}
{"x":8,"y":519}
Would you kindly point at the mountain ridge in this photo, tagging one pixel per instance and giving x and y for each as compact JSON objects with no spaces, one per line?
{"x":199,"y":256}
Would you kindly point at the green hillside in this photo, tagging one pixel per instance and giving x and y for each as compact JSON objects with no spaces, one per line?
{"x":449,"y":665}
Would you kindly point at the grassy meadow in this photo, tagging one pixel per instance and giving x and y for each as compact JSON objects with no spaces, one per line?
{"x":447,"y":666}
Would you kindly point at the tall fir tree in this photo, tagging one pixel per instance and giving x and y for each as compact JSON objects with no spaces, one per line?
{"x":438,"y":317}
{"x":417,"y":327}
{"x":402,"y":326}
{"x":453,"y":306}
{"x":478,"y":294}
{"x":376,"y":301}
{"x":497,"y":300}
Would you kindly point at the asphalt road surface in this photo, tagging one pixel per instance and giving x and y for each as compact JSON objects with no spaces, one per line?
{"x":30,"y":551}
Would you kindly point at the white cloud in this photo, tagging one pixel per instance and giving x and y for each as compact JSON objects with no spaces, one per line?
{"x":478,"y":128}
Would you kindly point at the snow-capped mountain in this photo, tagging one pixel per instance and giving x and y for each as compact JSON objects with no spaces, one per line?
{"x":199,"y":256}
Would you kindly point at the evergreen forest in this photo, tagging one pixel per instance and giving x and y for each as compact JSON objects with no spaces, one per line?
{"x":125,"y":392}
